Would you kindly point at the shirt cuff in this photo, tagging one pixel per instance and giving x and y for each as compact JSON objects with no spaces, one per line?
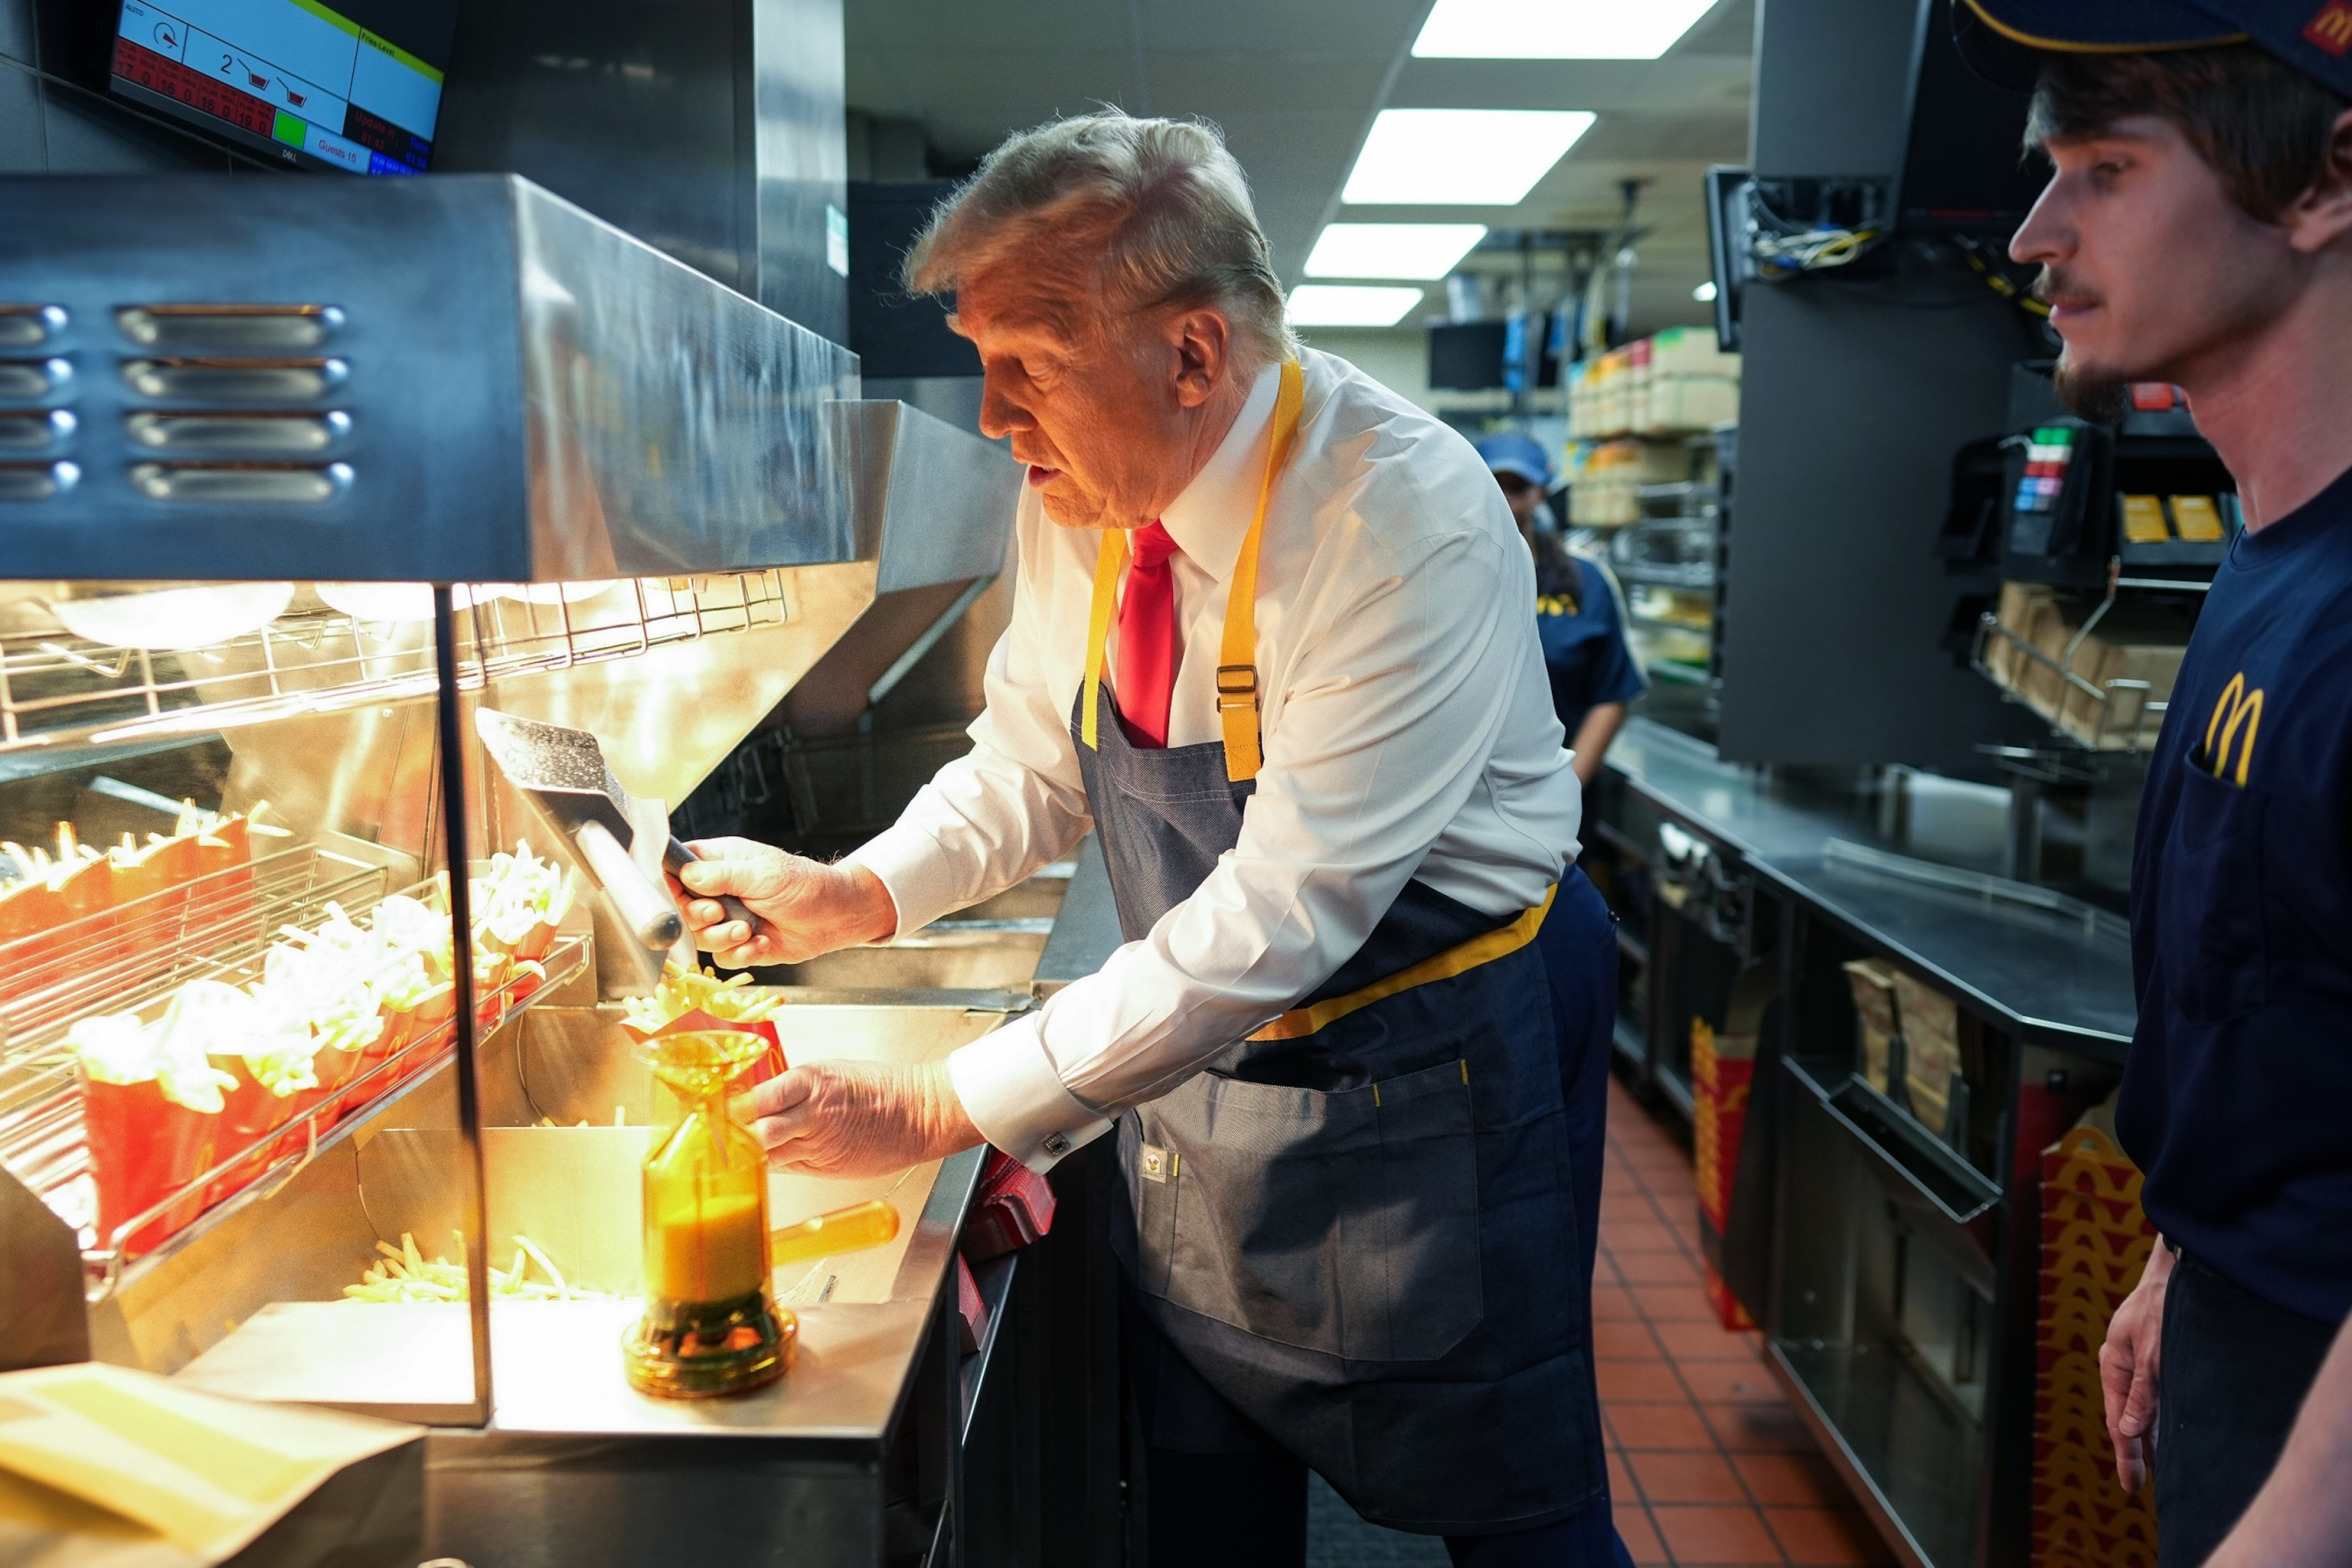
{"x":1013,"y":1094}
{"x":913,"y":870}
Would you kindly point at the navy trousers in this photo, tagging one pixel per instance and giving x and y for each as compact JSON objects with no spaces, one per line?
{"x":2235,"y":1370}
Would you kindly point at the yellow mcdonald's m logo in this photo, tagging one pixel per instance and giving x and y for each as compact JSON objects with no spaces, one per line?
{"x":2235,"y":707}
{"x":2331,"y":29}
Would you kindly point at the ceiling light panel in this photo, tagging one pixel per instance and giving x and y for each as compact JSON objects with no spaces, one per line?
{"x":1556,"y":29}
{"x":1350,"y":305}
{"x":1392,"y":250}
{"x":1460,"y":157}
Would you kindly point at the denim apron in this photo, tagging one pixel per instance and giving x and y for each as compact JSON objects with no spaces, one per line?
{"x":1358,"y":1225}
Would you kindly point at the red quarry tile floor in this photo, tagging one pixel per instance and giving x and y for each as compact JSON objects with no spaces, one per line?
{"x":1707,"y":1462}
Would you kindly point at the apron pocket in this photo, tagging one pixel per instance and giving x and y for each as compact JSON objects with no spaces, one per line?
{"x":1423,"y":1268}
{"x":1344,"y":1222}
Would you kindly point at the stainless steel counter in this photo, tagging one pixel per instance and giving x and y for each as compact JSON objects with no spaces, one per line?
{"x":1865,"y":1241}
{"x":2047,"y":967}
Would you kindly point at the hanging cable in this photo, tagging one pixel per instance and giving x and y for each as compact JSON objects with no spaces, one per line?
{"x":1995,"y":278}
{"x":1782,"y":248}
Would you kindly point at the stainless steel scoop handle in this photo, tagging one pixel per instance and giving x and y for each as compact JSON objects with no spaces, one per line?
{"x":643,"y":905}
{"x":678,"y":854}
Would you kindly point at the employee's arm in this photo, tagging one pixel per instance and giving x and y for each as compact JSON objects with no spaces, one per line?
{"x":2302,"y":1517}
{"x":1590,"y":745}
{"x":988,"y":819}
{"x":1385,"y":727}
{"x":2131,"y":1369}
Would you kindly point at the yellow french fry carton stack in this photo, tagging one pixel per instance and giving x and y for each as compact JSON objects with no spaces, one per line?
{"x":2095,"y":1241}
{"x":1723,"y":1069}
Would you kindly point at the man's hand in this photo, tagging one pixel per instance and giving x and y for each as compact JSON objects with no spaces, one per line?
{"x":2130,"y":1364}
{"x":839,"y":1118}
{"x":805,"y":907}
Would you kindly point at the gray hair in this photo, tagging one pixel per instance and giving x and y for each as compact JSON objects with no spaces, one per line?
{"x":1164,"y":200}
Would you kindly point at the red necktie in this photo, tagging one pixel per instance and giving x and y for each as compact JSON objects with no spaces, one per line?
{"x":1147,"y":639}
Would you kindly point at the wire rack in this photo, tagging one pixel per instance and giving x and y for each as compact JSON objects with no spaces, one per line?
{"x":55,"y":687}
{"x":2125,"y":713}
{"x":128,"y":960}
{"x":137,"y":952}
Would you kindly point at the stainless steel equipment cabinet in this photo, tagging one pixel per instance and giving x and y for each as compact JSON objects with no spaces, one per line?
{"x":1887,"y":1240}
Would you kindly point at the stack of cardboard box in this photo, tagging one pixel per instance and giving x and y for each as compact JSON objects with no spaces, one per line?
{"x":1605,"y":479}
{"x":2128,"y":659}
{"x":1675,"y":383}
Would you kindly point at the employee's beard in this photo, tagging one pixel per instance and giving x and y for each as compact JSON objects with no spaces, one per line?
{"x":2095,"y":393}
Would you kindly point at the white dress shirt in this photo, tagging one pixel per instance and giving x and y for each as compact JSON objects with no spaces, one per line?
{"x":1408,"y":732}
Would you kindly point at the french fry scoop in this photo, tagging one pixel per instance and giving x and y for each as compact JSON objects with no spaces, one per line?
{"x":562,"y":773}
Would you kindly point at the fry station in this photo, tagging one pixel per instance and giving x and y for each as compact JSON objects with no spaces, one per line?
{"x":258,"y":1131}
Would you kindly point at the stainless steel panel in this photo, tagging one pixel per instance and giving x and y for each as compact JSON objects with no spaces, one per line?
{"x":533,"y":395}
{"x":37,"y":481}
{"x":201,"y":484}
{"x":235,"y":381}
{"x":249,"y":329}
{"x":42,"y":1322}
{"x":237,"y":433}
{"x":1086,"y":928}
{"x":802,"y":142}
{"x":673,"y":426}
{"x":2046,"y":973}
{"x":667,"y":716}
{"x":934,"y":503}
{"x":931,"y":959}
{"x":491,"y":1499}
{"x":36,"y":430}
{"x":29,"y":326}
{"x":712,"y":129}
{"x":33,"y":378}
{"x":630,"y":110}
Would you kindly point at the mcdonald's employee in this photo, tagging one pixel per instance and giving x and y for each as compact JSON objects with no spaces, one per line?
{"x":1579,"y":617}
{"x":2198,"y":230}
{"x":1270,"y":642}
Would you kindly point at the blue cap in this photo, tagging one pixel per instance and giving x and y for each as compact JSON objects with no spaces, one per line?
{"x":2005,"y":39}
{"x":1517,"y":452}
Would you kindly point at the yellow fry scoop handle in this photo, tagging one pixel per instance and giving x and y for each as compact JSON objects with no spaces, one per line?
{"x":853,"y":1229}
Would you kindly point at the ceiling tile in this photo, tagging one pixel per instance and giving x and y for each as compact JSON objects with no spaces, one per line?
{"x":1295,"y":85}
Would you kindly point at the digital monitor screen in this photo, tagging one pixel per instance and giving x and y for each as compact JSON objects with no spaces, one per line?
{"x":1467,"y":356}
{"x":355,"y":86}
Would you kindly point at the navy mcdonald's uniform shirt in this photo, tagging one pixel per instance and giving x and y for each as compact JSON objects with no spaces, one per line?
{"x":2237,"y":1097}
{"x":1582,"y":627}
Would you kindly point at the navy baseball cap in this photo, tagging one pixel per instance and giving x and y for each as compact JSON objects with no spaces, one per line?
{"x":2004,"y":40}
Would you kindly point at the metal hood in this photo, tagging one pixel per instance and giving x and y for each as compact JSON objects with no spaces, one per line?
{"x":460,"y":379}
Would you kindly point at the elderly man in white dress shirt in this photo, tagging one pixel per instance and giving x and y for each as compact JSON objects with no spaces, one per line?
{"x":1270,"y":641}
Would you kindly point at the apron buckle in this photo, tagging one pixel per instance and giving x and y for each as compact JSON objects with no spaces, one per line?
{"x":1237,"y":686}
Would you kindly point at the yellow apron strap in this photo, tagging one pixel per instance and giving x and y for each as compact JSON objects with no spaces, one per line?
{"x":1107,"y":564}
{"x":1237,"y":668}
{"x":1485,"y":948}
